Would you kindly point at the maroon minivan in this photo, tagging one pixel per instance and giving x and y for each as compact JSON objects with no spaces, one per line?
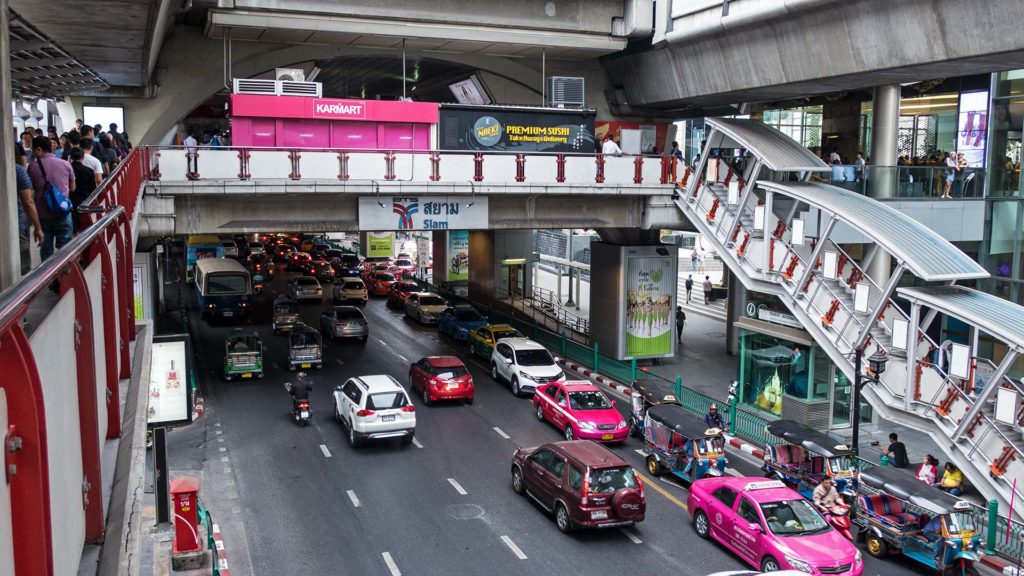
{"x":585,"y":484}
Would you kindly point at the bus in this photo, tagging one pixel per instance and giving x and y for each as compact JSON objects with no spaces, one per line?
{"x":199,"y":247}
{"x":223,"y":287}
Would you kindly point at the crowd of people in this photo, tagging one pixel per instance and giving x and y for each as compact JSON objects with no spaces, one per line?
{"x":75,"y":164}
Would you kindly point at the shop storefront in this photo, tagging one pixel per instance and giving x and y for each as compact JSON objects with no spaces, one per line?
{"x":783,"y":374}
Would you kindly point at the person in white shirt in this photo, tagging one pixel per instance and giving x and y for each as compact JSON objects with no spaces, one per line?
{"x":610,"y":148}
{"x":191,"y":150}
{"x":91,"y":161}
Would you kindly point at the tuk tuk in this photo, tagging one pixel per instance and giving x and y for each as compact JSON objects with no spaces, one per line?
{"x":286,"y":314}
{"x":304,"y":347}
{"x":647,"y":392}
{"x":899,"y":514}
{"x":679,"y":443}
{"x":806,"y":456}
{"x":243,"y":355}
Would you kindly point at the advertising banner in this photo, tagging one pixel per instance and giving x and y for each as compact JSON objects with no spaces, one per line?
{"x":498,"y":129}
{"x":458,"y":255}
{"x":170,"y":400}
{"x":423,"y":253}
{"x":379,"y":244}
{"x":650,"y":296}
{"x":138,"y":289}
{"x":423,"y":213}
{"x":973,"y":124}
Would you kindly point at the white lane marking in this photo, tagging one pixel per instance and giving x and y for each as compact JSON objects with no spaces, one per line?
{"x":640,"y":452}
{"x":223,"y":449}
{"x":416,"y":442}
{"x":219,"y":432}
{"x":458,"y":487}
{"x":632,"y":537}
{"x":732,"y":472}
{"x":327,"y":453}
{"x":404,"y":359}
{"x":512,"y":546}
{"x":355,"y":499}
{"x":338,"y":360}
{"x":391,"y":564}
{"x":502,"y":433}
{"x":671,"y":483}
{"x":383,"y":343}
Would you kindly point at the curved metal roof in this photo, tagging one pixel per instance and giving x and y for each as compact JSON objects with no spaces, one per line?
{"x":778,"y":151}
{"x":1000,"y":318}
{"x":925,"y":254}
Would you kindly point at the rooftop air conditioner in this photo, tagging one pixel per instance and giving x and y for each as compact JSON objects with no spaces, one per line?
{"x":565,"y":92}
{"x":290,"y":74}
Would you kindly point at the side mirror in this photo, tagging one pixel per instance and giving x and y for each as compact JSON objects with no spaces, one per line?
{"x":561,"y":402}
{"x":337,"y":388}
{"x":557,"y":359}
{"x":613,"y":403}
{"x":508,"y":361}
{"x":754,"y":527}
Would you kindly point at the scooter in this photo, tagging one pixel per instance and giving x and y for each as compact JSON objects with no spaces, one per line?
{"x":838,"y":516}
{"x":300,"y":412}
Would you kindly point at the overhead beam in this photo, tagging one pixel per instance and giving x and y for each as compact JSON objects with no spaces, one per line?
{"x":26,"y":63}
{"x":51,"y":73}
{"x":28,"y":45}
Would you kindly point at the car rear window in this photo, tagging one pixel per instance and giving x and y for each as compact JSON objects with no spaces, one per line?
{"x":350,"y":259}
{"x":353,"y":286}
{"x":499,"y":334}
{"x":409,"y":287}
{"x":385,"y":401}
{"x":432,"y":301}
{"x":588,"y":400}
{"x":384,"y":277}
{"x":349,"y":314}
{"x":307,"y":282}
{"x":534,"y":358}
{"x":450,"y":372}
{"x":468,"y":315}
{"x":608,"y":480}
{"x":403,"y":262}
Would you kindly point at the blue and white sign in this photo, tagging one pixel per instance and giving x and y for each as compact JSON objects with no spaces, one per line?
{"x":423,"y":213}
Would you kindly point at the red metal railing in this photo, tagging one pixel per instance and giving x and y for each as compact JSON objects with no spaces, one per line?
{"x":93,"y":272}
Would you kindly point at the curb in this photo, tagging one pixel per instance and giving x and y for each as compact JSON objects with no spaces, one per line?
{"x":741,"y":445}
{"x":222,"y":554}
{"x":994,"y":562}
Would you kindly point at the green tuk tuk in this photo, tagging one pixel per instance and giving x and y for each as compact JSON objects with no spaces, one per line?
{"x":243,"y":356}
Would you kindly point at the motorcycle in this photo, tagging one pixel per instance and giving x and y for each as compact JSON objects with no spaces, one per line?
{"x":257,"y":284}
{"x":300,"y":412}
{"x":838,"y":516}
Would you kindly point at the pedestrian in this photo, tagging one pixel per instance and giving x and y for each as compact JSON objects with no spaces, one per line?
{"x":78,"y":125}
{"x":118,"y":140}
{"x":834,"y":158}
{"x":215,"y":141}
{"x":689,"y":287}
{"x":88,"y":147}
{"x":693,"y":260}
{"x":191,"y":154}
{"x":952,"y":480}
{"x":49,"y":168}
{"x":28,"y":217}
{"x":929,"y":470}
{"x":85,"y":183}
{"x":680,"y":320}
{"x":951,"y":170}
{"x":860,"y":163}
{"x":896,"y":452}
{"x":610,"y":148}
{"x":707,"y":290}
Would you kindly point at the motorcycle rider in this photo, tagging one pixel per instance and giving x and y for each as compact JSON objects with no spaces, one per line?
{"x":825,"y":496}
{"x":299,"y":390}
{"x":712,"y":419}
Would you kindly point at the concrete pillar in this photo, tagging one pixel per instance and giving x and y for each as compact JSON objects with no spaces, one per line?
{"x":579,"y":280}
{"x":734,"y":311}
{"x":882,"y":178}
{"x":558,"y":293}
{"x":10,"y":257}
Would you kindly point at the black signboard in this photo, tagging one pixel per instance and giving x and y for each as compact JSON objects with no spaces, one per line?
{"x":510,"y":129}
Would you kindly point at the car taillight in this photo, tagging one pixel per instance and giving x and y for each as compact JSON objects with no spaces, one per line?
{"x":586,"y":490}
{"x":409,"y":408}
{"x":211,"y":306}
{"x":639,"y":485}
{"x":363,"y":413}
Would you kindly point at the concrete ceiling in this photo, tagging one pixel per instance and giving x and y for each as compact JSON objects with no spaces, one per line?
{"x":118,"y":39}
{"x":41,"y":68}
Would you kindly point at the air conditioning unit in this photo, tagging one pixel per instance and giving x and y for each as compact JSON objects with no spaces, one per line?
{"x":565,"y":92}
{"x":290,"y":74}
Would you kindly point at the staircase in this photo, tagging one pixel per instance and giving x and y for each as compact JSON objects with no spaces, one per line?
{"x":843,"y":309}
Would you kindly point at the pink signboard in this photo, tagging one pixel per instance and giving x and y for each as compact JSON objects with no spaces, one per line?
{"x":251,"y":105}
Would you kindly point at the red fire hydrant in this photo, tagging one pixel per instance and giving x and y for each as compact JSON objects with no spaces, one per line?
{"x":185,"y":493}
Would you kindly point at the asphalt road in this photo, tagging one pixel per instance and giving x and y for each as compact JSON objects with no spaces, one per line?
{"x":307,"y":503}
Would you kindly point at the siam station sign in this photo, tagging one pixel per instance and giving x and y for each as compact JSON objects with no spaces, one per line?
{"x":423,"y":213}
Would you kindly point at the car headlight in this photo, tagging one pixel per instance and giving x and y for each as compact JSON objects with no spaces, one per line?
{"x":857,"y":559}
{"x":588,"y":426}
{"x":799,"y":565}
{"x":560,"y":375}
{"x":621,"y":425}
{"x":463,"y":331}
{"x":527,"y":376}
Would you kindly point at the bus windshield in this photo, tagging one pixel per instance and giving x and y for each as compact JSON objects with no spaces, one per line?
{"x":228,"y":283}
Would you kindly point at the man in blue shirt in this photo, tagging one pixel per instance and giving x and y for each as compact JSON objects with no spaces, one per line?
{"x":27,"y":215}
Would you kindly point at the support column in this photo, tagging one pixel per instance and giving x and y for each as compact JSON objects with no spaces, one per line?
{"x":882,"y":176}
{"x":10,"y":255}
{"x":734,"y":311}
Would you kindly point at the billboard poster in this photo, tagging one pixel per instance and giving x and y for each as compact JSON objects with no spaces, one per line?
{"x":169,"y":393}
{"x":423,"y":213}
{"x":503,"y":129}
{"x":379,"y":244}
{"x":972,"y":126}
{"x":650,"y":296}
{"x":423,"y":253}
{"x":139,"y":291}
{"x":458,"y":255}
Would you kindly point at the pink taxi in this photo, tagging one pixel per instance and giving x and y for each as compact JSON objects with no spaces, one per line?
{"x":770,"y":526}
{"x":580,"y":410}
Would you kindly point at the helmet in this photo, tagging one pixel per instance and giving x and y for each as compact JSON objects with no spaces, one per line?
{"x":300,"y":376}
{"x":713,"y":407}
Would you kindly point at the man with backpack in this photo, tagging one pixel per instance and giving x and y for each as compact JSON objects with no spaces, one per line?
{"x":47,"y":170}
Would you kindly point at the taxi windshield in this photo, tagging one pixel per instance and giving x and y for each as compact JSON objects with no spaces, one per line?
{"x":958,"y":522}
{"x":588,"y":400}
{"x":793,"y":518}
{"x":403,"y":263}
{"x":706,"y":445}
{"x":499,"y":334}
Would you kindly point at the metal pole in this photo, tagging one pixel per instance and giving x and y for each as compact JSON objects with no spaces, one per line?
{"x":579,"y":281}
{"x":595,"y":356}
{"x":679,"y":388}
{"x":855,"y":409}
{"x":160,"y":480}
{"x":403,"y":68}
{"x":632,"y":370}
{"x":543,"y":76}
{"x":993,"y":528}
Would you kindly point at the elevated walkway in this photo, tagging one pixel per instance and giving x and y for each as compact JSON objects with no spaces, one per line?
{"x":754,"y":213}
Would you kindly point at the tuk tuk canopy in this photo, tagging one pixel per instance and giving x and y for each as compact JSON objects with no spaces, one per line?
{"x":654,"y":392}
{"x":303,"y":335}
{"x":285,"y":306}
{"x":812,"y":440}
{"x":903,"y":484}
{"x":680,"y":421}
{"x":242,"y":342}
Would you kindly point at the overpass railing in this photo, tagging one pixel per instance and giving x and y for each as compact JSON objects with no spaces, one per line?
{"x":907,"y":182}
{"x":389,"y":167}
{"x":65,"y":330}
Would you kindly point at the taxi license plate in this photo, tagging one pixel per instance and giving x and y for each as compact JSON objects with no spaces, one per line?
{"x":606,"y":436}
{"x":247,"y":375}
{"x":452,"y":385}
{"x":306,"y":365}
{"x":228,"y":314}
{"x":387,"y":418}
{"x":304,"y":414}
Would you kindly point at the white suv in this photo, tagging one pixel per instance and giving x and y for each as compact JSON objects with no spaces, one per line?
{"x":524,"y":364}
{"x":374,"y":407}
{"x":425,"y":307}
{"x":348,"y":289}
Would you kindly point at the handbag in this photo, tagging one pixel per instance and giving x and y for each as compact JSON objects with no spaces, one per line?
{"x":54,"y":199}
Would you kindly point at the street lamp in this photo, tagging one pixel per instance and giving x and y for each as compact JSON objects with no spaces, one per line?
{"x":876,"y":363}
{"x":569,"y":302}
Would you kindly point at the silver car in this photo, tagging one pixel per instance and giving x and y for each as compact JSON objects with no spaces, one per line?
{"x":344,"y":322}
{"x":304,"y":288}
{"x":425,"y":307}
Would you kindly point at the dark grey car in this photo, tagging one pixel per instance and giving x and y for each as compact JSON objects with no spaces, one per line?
{"x":344,"y":322}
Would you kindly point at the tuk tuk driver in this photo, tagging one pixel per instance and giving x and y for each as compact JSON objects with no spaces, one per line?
{"x":932,"y":533}
{"x":239,"y":346}
{"x":825,"y":496}
{"x":712,"y":419}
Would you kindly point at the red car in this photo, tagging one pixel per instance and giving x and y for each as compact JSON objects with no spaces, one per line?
{"x":399,"y":293}
{"x":379,"y":283}
{"x":580,"y":410}
{"x":299,"y":261}
{"x":441,"y":378}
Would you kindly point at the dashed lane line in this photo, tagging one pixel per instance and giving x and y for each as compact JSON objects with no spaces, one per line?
{"x":416,"y":442}
{"x":458,"y":487}
{"x":327,"y":453}
{"x":355,"y":499}
{"x":640,"y":452}
{"x":502,"y":433}
{"x":654,"y":486}
{"x":338,"y":360}
{"x":512,"y":546}
{"x":404,"y":359}
{"x":632,"y":537}
{"x":392,"y":567}
{"x":383,"y":343}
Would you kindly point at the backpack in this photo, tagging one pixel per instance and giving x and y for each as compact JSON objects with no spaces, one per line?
{"x":55,"y":200}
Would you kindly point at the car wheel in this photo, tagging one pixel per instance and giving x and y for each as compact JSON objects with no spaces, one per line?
{"x":769,"y":564}
{"x":540,"y":412}
{"x":363,"y":340}
{"x":701,"y":524}
{"x":562,"y":519}
{"x":426,"y":397}
{"x":406,"y":440}
{"x":515,"y":386}
{"x":634,"y":430}
{"x":517,"y":481}
{"x":569,"y":434}
{"x":653,"y":466}
{"x":353,"y":441}
{"x":494,"y":372}
{"x":875,"y":545}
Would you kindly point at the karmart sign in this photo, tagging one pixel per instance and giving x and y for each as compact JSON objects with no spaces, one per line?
{"x":342,"y":109}
{"x":423,"y":213}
